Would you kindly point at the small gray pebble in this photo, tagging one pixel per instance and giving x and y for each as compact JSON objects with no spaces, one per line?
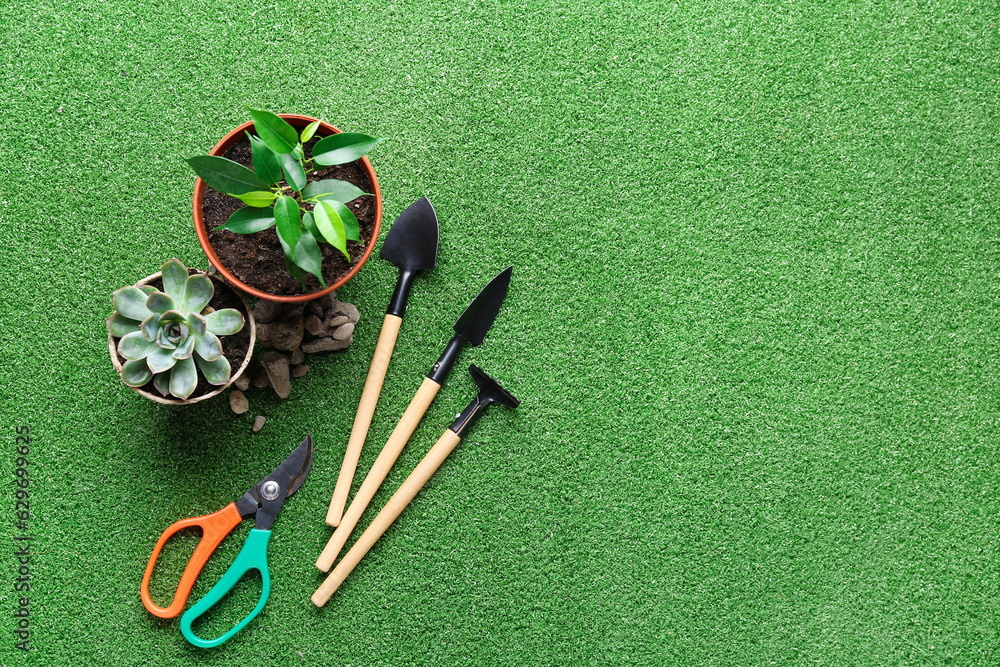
{"x":286,"y":334}
{"x":324,"y":345}
{"x":344,"y":331}
{"x":348,"y":309}
{"x":314,"y":325}
{"x":277,"y":368}
{"x":265,"y":311}
{"x":238,"y":402}
{"x":326,"y":302}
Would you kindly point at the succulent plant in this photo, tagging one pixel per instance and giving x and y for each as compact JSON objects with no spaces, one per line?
{"x":167,"y":337}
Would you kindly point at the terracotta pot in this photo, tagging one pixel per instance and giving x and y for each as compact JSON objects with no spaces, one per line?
{"x":248,"y":320}
{"x":298,"y":122}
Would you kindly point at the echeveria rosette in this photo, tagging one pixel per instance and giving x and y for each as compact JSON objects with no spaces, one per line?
{"x":165,"y":337}
{"x":277,"y":192}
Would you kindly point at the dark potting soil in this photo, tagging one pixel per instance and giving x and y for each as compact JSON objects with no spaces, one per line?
{"x":234,"y":348}
{"x":258,"y":259}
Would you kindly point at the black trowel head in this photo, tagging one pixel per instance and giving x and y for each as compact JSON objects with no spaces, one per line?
{"x":478,"y":317}
{"x":412,"y":242}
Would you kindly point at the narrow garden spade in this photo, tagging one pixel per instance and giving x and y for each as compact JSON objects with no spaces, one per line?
{"x":490,"y":392}
{"x":470,"y":329}
{"x":412,"y":245}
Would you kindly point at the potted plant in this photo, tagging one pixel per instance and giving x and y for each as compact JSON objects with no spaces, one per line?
{"x":176,"y":336}
{"x":287,"y":207}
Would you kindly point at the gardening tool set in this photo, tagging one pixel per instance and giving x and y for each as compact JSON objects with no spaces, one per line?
{"x":470,"y":328}
{"x":411,"y":245}
{"x":490,"y":391}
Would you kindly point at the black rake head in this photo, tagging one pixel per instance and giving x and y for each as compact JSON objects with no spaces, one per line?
{"x":490,"y":392}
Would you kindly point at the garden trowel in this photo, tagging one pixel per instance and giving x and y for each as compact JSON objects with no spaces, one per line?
{"x":470,"y":329}
{"x":490,"y":392}
{"x":412,"y":245}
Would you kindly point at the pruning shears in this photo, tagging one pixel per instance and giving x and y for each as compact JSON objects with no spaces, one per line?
{"x":262,"y":501}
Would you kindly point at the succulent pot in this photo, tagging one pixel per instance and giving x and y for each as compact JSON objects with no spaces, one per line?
{"x":257,"y":252}
{"x":237,"y":348}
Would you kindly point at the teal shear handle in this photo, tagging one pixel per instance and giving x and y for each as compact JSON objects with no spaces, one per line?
{"x":253,"y":556}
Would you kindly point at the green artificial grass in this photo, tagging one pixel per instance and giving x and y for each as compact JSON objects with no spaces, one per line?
{"x":753,"y":325}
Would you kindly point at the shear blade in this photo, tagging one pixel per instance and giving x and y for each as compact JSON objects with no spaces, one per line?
{"x":294,"y":469}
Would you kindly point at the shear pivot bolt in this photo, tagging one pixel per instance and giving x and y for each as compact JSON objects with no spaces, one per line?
{"x":270,"y":490}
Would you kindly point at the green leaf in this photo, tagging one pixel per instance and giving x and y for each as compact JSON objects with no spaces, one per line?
{"x":308,"y":256}
{"x":150,"y":326}
{"x":249,"y":220}
{"x":225,"y":175}
{"x":119,"y":326}
{"x":162,"y":383}
{"x":130,"y":302}
{"x":258,"y":199}
{"x":185,"y":349}
{"x":163,"y":343}
{"x":148,"y":289}
{"x":224,"y":322}
{"x":310,"y":130}
{"x":197,"y":324}
{"x":158,"y":302}
{"x":170,"y":316}
{"x":198,"y":292}
{"x":136,"y":373}
{"x":133,"y":346}
{"x":161,"y":359}
{"x":294,"y":171}
{"x":343,"y":147}
{"x":330,"y":226}
{"x":183,"y":378}
{"x":174,"y":275}
{"x":208,"y":347}
{"x":309,"y":223}
{"x":331,"y":188}
{"x":289,"y":221}
{"x":216,"y":372}
{"x":276,"y":133}
{"x":265,"y":161}
{"x":352,"y":230}
{"x":294,"y":270}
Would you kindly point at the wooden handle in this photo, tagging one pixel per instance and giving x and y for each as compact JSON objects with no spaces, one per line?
{"x":430,"y":463}
{"x":363,"y":419}
{"x":390,"y":452}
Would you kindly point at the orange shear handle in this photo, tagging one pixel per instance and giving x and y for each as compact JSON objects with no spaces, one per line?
{"x":214,"y":528}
